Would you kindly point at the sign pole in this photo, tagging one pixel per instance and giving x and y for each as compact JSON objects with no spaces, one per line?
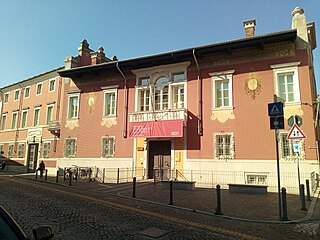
{"x":278,"y":171}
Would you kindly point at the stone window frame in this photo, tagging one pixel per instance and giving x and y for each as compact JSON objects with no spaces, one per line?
{"x":78,"y":106}
{"x":284,"y":68}
{"x":230,"y":156}
{"x":21,"y":150}
{"x":74,"y":147}
{"x":222,"y":76}
{"x":111,"y":152}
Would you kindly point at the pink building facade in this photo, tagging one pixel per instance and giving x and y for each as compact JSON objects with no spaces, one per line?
{"x":28,"y":110}
{"x":199,"y":114}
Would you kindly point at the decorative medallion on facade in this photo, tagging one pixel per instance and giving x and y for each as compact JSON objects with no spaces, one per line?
{"x":108,"y":122}
{"x":253,"y":85}
{"x":72,"y":124}
{"x":91,"y":100}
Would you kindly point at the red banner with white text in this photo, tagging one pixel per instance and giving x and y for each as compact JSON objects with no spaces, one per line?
{"x":168,"y":128}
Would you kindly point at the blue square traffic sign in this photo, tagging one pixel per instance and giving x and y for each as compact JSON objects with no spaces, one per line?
{"x":275,"y":109}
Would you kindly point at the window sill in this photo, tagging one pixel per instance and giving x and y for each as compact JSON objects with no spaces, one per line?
{"x":292,"y":104}
{"x":222,"y":109}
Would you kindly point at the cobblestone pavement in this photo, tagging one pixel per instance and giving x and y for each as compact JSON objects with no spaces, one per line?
{"x":150,"y":218}
{"x":83,"y":217}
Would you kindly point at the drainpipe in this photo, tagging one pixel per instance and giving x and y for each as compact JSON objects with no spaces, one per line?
{"x":125,"y":113}
{"x":199,"y":96}
{"x":55,"y":141}
{"x":1,"y":106}
{"x":21,"y":91}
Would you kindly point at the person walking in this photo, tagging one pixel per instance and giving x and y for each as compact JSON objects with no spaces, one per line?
{"x":41,"y":168}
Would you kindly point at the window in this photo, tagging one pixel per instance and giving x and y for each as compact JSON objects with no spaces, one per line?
{"x":287,"y":81}
{"x":258,"y":179}
{"x":10,"y":150}
{"x":161,"y":94}
{"x":178,"y":96}
{"x":285,"y":86}
{"x":16,"y":95}
{"x":161,"y":88}
{"x":223,"y":146}
{"x":108,"y":147}
{"x":36,"y":117}
{"x":52,"y":84}
{"x":27,"y":92}
{"x":49,"y":114}
{"x":73,"y":107}
{"x":14,"y":120}
{"x":178,"y":77}
{"x":24,"y":118}
{"x":46,"y":150}
{"x":144,"y":82}
{"x":222,"y":89}
{"x":3,"y":121}
{"x":39,"y":88}
{"x":6,"y":98}
{"x":110,"y":102}
{"x":70,"y":147}
{"x":21,"y":150}
{"x":144,"y":99}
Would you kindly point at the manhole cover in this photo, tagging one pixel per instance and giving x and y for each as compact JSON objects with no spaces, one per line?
{"x":154,"y":232}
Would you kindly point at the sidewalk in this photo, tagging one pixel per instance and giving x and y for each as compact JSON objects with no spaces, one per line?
{"x":247,"y":207}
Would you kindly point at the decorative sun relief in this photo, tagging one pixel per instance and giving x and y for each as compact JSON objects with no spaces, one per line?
{"x":253,"y":85}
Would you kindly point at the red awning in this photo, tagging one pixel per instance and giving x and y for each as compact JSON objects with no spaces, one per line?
{"x":169,"y":128}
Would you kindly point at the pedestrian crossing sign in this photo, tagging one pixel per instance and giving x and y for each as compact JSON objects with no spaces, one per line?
{"x":275,"y":109}
{"x":296,"y":133}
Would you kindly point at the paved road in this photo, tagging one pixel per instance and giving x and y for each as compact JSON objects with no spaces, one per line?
{"x":77,"y":214}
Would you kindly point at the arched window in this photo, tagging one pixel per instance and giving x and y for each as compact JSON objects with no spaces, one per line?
{"x":161,"y":94}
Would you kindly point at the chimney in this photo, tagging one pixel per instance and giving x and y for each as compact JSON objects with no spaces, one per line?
{"x":249,"y":27}
{"x":299,"y":22}
{"x":98,"y":57}
{"x":84,"y":53}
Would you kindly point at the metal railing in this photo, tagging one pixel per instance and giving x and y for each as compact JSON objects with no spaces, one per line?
{"x":118,"y":175}
{"x":209,"y":179}
{"x":170,"y":114}
{"x":206,"y":178}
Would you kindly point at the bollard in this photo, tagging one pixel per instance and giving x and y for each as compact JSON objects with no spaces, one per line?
{"x":46,"y":176}
{"x":302,"y":198}
{"x":284,"y":214}
{"x":70,"y":178}
{"x":308,"y":190}
{"x":154,"y":179}
{"x":134,"y":187}
{"x":171,"y":193}
{"x":76,"y":175}
{"x":57,"y":177}
{"x":64,"y":174}
{"x":90,"y":174}
{"x":218,"y":208}
{"x":118,"y":175}
{"x":36,"y":174}
{"x":104,"y":174}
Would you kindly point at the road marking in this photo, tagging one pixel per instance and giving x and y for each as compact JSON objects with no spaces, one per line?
{"x":145,"y":212}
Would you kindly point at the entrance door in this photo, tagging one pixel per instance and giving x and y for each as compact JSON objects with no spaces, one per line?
{"x":159,"y":160}
{"x":32,"y":157}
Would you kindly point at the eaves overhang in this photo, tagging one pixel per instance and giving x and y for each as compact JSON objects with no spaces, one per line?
{"x":184,"y":54}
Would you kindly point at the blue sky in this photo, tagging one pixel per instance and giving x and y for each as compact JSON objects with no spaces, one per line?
{"x":37,"y":35}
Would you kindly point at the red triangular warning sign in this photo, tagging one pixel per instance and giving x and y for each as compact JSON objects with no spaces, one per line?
{"x":296,"y":133}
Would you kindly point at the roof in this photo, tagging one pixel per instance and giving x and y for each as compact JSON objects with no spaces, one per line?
{"x":184,"y":54}
{"x":26,"y":81}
